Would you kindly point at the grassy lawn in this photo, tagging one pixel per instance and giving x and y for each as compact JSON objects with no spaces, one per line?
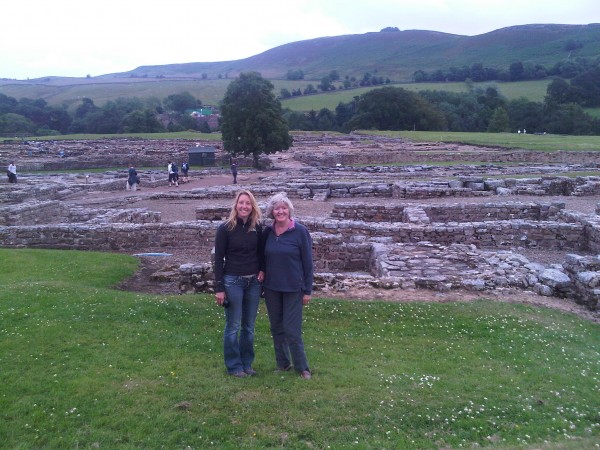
{"x":546,"y":142}
{"x":189,"y":135}
{"x":87,"y":366}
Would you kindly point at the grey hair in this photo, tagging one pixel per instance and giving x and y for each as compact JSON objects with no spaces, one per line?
{"x":280,"y":197}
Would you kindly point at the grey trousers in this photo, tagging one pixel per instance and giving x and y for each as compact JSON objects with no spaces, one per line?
{"x":285,"y":316}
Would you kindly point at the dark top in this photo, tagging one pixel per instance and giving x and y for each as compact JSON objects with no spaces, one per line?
{"x":288,"y":263}
{"x":237,"y":252}
{"x":234,"y":169}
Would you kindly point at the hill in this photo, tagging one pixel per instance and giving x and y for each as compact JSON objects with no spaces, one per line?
{"x":392,"y":54}
{"x":397,"y":54}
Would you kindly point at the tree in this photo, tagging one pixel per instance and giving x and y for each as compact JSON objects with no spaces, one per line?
{"x":181,"y":102}
{"x":251,"y":118}
{"x":499,"y":121}
{"x":391,"y":108}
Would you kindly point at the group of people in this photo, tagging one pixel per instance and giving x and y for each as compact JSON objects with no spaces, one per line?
{"x":273,"y":260}
{"x":11,"y":172}
{"x":173,"y":171}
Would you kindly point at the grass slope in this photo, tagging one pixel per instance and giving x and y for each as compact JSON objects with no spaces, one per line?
{"x":86,"y":366}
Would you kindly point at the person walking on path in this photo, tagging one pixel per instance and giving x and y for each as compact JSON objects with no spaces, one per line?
{"x":173,"y":175}
{"x":288,"y":268}
{"x":11,"y":171}
{"x":238,"y":277}
{"x":185,"y":167}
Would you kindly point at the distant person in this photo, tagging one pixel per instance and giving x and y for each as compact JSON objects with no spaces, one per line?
{"x":173,"y":175}
{"x":11,"y":171}
{"x":234,"y":171}
{"x":184,"y":171}
{"x":132,"y":179}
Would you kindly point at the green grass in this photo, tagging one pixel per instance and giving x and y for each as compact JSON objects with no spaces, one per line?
{"x":547,"y":142}
{"x":87,"y":366}
{"x":183,"y":135}
{"x":532,"y":90}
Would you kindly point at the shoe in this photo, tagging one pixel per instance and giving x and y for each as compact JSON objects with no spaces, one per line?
{"x":239,"y":374}
{"x":306,"y":374}
{"x":250,"y":372}
{"x":284,"y":369}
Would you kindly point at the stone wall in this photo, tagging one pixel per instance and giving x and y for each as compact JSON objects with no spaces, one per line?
{"x":452,"y":212}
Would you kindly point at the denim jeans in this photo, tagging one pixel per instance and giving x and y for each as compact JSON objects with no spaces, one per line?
{"x":243,"y":294}
{"x":285,"y":317}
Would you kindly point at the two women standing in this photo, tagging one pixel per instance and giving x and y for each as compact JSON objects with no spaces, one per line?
{"x":280,"y":257}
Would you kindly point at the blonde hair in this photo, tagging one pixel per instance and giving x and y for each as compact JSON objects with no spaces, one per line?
{"x":255,"y":215}
{"x":280,"y":197}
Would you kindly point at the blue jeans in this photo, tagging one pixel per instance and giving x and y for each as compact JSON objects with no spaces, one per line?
{"x":243,"y":294}
{"x":285,"y":317}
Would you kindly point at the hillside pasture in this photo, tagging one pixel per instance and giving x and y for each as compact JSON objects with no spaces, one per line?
{"x":59,"y":91}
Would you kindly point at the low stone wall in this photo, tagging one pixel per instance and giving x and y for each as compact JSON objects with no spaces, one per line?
{"x":56,"y":212}
{"x":441,"y":153}
{"x":453,"y":212}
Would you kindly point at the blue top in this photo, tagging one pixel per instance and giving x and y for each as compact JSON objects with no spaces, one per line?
{"x":288,"y":260}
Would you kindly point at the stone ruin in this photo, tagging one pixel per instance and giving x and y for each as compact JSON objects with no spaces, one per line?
{"x":390,"y":242}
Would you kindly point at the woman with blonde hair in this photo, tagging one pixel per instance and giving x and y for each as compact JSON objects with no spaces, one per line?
{"x":238,"y":277}
{"x":288,"y":283}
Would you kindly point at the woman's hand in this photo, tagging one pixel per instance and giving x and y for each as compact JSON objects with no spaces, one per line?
{"x":306,"y":299}
{"x":220,"y":296}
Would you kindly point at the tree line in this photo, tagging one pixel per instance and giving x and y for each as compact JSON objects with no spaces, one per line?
{"x":517,"y":71}
{"x":123,"y":115}
{"x":479,"y":110}
{"x":383,"y":108}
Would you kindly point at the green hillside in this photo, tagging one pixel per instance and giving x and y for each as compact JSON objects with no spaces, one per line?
{"x":395,"y":55}
{"x":398,"y":54}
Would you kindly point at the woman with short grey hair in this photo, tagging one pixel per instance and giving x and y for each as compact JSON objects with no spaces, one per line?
{"x":288,"y":267}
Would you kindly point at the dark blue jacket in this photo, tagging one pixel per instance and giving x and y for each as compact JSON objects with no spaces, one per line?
{"x":288,"y":260}
{"x":237,"y":252}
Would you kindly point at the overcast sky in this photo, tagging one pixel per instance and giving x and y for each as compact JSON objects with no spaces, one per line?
{"x":75,"y":38}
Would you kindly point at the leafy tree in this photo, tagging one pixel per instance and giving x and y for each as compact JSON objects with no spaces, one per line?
{"x":326,"y":84}
{"x":7,"y":104}
{"x":516,"y":71}
{"x":585,"y":87}
{"x":310,"y":89}
{"x":391,"y":108}
{"x":251,"y":118}
{"x":326,"y":120}
{"x":526,"y":114}
{"x":499,"y":121}
{"x":11,"y":123}
{"x":181,"y":102}
{"x":295,"y":74}
{"x":284,"y":93}
{"x":558,"y":91}
{"x":297,"y":120}
{"x":139,"y":121}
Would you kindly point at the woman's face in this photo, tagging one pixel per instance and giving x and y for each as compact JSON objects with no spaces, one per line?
{"x":243,"y":207}
{"x":281,"y":212}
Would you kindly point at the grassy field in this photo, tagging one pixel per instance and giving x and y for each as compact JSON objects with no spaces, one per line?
{"x":546,"y":142}
{"x":211,"y":92}
{"x":87,"y":366}
{"x":532,"y":90}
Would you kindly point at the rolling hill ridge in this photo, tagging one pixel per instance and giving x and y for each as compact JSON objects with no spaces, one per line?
{"x":398,"y":54}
